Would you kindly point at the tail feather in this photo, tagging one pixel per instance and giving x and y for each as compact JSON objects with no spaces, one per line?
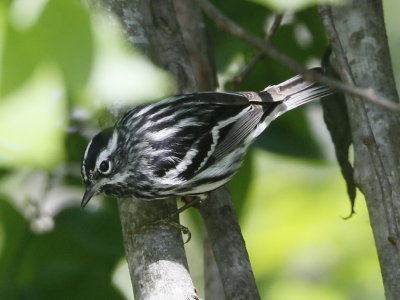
{"x":297,"y":91}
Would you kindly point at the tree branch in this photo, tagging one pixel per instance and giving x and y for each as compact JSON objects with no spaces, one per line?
{"x":266,"y":47}
{"x":345,"y":72}
{"x":228,"y":246}
{"x":155,"y":254}
{"x":376,"y":145}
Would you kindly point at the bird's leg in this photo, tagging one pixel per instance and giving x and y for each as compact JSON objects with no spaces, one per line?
{"x":167,"y":221}
{"x":189,"y":202}
{"x":182,"y":228}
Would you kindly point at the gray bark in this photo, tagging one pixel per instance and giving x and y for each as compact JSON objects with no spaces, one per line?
{"x":155,"y":254}
{"x":196,"y":42}
{"x":228,"y":246}
{"x":361,"y":31}
{"x":213,"y":287}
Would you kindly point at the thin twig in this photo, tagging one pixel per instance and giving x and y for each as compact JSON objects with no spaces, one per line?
{"x":276,"y":22}
{"x":266,"y":47}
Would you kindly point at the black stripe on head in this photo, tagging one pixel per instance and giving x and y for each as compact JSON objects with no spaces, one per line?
{"x":95,"y":147}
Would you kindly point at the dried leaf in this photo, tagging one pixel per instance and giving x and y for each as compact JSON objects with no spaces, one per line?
{"x":337,"y":121}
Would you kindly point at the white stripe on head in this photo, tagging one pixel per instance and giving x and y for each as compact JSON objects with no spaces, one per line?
{"x":85,"y":178}
{"x":111,"y":147}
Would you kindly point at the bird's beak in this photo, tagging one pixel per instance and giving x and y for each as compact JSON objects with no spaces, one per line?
{"x":89,"y":193}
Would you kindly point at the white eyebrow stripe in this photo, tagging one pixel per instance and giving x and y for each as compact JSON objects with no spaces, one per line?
{"x":85,"y":178}
{"x":111,"y":147}
{"x":87,"y":150}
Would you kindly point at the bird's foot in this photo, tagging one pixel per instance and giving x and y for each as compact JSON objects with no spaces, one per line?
{"x":168,"y":221}
{"x":190,"y":201}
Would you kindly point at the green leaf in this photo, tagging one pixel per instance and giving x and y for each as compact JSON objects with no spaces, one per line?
{"x":18,"y":64}
{"x":33,"y":122}
{"x":62,"y":34}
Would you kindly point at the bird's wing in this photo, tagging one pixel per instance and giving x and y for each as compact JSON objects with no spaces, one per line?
{"x":188,"y":132}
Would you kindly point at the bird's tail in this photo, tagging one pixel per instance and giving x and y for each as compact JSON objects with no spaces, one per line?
{"x":297,"y":91}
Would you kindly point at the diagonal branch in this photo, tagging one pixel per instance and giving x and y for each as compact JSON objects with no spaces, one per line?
{"x":266,"y":47}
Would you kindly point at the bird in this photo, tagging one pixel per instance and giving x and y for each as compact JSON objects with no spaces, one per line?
{"x":188,"y":144}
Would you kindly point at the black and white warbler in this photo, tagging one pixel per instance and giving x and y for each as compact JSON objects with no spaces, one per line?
{"x":188,"y":144}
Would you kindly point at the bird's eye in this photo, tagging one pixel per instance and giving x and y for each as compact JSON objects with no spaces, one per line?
{"x":104,"y":167}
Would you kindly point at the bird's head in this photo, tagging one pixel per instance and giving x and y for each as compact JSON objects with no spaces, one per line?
{"x":100,"y":165}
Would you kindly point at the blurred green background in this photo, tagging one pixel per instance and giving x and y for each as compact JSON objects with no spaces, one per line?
{"x":64,"y":66}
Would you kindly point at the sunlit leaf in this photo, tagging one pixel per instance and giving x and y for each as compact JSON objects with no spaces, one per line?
{"x":122,"y":76}
{"x":54,"y":37}
{"x":33,"y":123}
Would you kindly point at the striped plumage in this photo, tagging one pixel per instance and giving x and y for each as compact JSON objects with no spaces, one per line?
{"x":187,"y":144}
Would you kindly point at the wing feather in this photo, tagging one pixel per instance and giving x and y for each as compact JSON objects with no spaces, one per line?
{"x":206,"y":128}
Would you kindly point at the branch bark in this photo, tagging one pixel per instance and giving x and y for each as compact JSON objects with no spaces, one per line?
{"x":228,"y":246}
{"x":357,"y":34}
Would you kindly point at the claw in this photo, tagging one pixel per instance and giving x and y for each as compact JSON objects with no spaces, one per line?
{"x":182,"y":228}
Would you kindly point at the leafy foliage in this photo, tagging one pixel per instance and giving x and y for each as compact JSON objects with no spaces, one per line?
{"x":49,"y":40}
{"x":66,"y":263}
